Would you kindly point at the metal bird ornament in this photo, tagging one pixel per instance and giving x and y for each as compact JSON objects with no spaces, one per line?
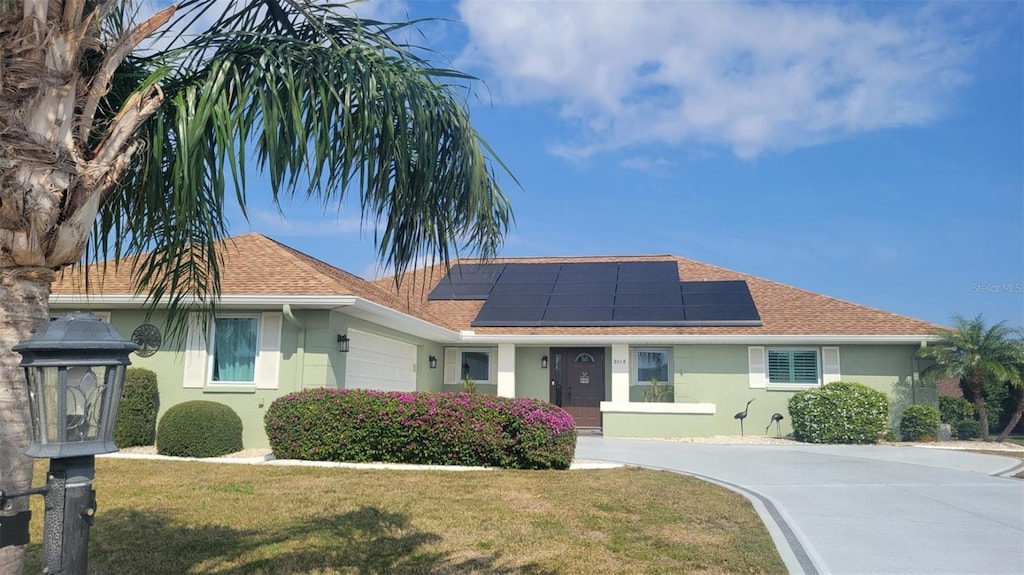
{"x":743,"y":415}
{"x":776,"y":418}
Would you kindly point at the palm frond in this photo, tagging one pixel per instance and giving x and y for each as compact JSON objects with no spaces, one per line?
{"x":329,"y":106}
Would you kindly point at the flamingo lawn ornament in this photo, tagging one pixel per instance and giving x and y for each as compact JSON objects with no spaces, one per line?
{"x":743,"y":415}
{"x":776,"y":418}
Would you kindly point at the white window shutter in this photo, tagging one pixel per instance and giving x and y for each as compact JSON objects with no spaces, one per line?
{"x":451,"y":365}
{"x":755,"y":362}
{"x":830,"y":364}
{"x":268,"y":360}
{"x":195,"y":353}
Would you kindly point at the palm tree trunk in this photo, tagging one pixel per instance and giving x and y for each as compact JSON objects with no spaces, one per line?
{"x":24,"y":305}
{"x":976,"y":385}
{"x":1017,"y":412}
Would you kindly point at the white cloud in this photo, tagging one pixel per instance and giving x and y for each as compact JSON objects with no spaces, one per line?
{"x":753,"y":77}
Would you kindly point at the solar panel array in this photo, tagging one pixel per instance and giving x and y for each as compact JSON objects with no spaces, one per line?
{"x":596,"y":294}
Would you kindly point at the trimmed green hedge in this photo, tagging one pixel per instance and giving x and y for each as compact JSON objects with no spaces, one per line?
{"x":199,"y":429}
{"x":959,"y":414}
{"x":420,"y":427}
{"x":919,"y":423}
{"x":839,"y":412}
{"x":136,"y":416}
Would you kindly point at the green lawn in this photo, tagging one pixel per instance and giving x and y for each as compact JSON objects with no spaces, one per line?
{"x":166,"y":517}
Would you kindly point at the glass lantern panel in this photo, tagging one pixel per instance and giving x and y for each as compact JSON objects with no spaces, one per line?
{"x":85,"y":396}
{"x":46,"y":404}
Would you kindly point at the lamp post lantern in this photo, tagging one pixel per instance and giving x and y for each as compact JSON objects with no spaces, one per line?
{"x":75,"y":369}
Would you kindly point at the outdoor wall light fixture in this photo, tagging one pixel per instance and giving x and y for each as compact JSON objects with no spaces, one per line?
{"x":75,"y":368}
{"x":433,"y":362}
{"x":343,"y":343}
{"x":544,"y":362}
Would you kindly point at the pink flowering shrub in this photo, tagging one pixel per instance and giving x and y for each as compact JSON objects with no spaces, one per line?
{"x":420,"y":427}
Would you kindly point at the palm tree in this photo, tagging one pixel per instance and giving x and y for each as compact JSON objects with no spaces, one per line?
{"x":977,"y":355}
{"x":107,"y":150}
{"x":1017,"y":384}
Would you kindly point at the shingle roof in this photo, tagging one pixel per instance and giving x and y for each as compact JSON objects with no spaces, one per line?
{"x":256,"y":265}
{"x":253,"y":264}
{"x":784,"y":310}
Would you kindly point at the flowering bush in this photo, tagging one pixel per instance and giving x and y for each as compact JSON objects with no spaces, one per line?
{"x":839,"y":412}
{"x":420,"y":427}
{"x":919,"y":423}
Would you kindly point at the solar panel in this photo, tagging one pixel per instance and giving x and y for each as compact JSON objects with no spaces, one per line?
{"x":460,"y":291}
{"x":519,"y":300}
{"x":590,"y":267}
{"x":649,"y":299}
{"x":585,"y":300}
{"x":534,"y":278}
{"x":724,"y":298}
{"x":722,"y":313}
{"x":581,"y":315}
{"x":509,"y":316}
{"x":671,"y":288}
{"x":529,"y":269}
{"x":583,"y":288}
{"x":588,"y":277}
{"x":521,"y":289}
{"x":596,"y":294}
{"x":648,"y":315}
{"x":714,"y":287}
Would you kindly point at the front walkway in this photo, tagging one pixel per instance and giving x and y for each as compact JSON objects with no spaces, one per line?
{"x":859,"y":509}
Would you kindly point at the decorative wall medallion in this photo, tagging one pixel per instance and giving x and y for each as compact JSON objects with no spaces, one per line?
{"x":147,"y":337}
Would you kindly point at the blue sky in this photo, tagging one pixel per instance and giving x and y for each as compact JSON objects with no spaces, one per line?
{"x":872,"y":152}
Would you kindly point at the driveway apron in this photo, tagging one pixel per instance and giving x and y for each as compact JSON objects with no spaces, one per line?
{"x":859,"y":509}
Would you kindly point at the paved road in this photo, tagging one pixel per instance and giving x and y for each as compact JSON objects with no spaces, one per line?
{"x":860,"y":509}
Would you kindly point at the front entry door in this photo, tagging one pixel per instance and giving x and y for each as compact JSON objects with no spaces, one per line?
{"x":577,"y":383}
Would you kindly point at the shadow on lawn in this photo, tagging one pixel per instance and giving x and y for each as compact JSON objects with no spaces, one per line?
{"x":364,"y":541}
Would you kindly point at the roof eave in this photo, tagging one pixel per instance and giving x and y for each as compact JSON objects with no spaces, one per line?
{"x":245,"y":301}
{"x":399,"y":321}
{"x":678,"y":339}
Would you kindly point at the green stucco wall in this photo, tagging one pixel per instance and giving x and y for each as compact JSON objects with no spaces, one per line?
{"x":718,"y":374}
{"x":702,"y":374}
{"x":532,"y":379}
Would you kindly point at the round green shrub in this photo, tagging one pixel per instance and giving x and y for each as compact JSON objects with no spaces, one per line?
{"x":136,"y":416}
{"x":953,"y":410}
{"x":839,"y":412}
{"x":199,"y":429}
{"x":968,"y":429}
{"x":919,"y":423}
{"x":420,"y":427}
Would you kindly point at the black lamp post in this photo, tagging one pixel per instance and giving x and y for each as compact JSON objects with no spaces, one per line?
{"x":75,"y":368}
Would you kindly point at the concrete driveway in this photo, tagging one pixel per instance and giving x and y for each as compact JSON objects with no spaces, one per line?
{"x":859,"y":509}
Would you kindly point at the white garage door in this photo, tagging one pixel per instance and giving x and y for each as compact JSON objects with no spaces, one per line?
{"x":377,"y":362}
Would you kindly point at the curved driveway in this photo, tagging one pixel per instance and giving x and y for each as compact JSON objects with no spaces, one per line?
{"x":859,"y":509}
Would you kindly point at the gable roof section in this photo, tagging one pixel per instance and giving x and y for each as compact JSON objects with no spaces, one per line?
{"x":253,"y":265}
{"x":784,"y":310}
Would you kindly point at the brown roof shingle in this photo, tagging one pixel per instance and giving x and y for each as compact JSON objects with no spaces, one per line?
{"x":256,"y":265}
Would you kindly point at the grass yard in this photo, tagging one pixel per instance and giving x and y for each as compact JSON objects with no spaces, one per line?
{"x":166,"y":517}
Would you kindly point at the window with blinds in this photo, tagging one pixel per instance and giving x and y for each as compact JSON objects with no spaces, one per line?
{"x":793,"y":366}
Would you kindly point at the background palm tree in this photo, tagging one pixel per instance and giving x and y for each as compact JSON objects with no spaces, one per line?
{"x":977,"y":355}
{"x":1017,"y":385}
{"x":110,"y":151}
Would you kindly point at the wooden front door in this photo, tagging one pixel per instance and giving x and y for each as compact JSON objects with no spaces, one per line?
{"x":577,"y":383}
